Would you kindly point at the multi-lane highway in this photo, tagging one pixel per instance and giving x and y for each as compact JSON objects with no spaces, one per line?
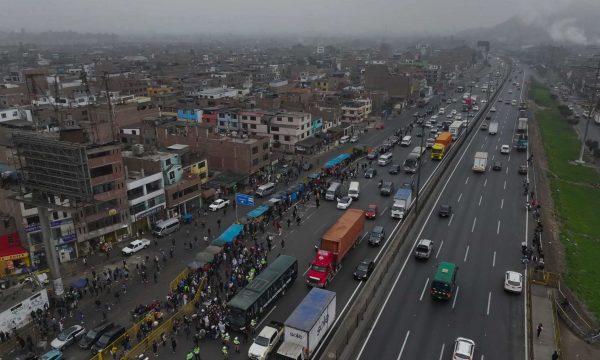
{"x":483,"y":237}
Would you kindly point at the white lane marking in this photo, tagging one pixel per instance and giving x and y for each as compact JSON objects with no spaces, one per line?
{"x":467,"y":181}
{"x":504,"y":184}
{"x":304,"y":273}
{"x":507,"y":170}
{"x":442,"y":351}
{"x":320,"y":228}
{"x":497,"y":146}
{"x":485,"y":182}
{"x":502,"y":203}
{"x":489,"y":301}
{"x":459,"y":196}
{"x":266,"y":317}
{"x":480,"y":198}
{"x":383,"y":212}
{"x":494,"y":260}
{"x":466,"y":254}
{"x":403,"y":345}
{"x":451,"y":217}
{"x":508,"y":158}
{"x":455,"y":297}
{"x":474,"y":222}
{"x":498,"y":229}
{"x":482,"y":145}
{"x":493,"y":157}
{"x":439,"y":249}
{"x":424,"y":288}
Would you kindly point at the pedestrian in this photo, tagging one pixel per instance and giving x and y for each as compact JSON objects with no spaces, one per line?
{"x":219,"y":223}
{"x":173,"y":344}
{"x":289,"y":222}
{"x":540,"y":327}
{"x":155,"y":278}
{"x":225,"y":353}
{"x":155,"y":348}
{"x":298,"y":220}
{"x":189,"y":355}
{"x":283,"y":243}
{"x":555,"y":355}
{"x":196,"y":352}
{"x":236,"y":344}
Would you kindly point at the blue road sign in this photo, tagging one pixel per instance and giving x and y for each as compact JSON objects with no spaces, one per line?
{"x":243,"y":199}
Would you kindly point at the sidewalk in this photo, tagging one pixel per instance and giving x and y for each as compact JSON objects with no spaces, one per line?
{"x":542,"y":312}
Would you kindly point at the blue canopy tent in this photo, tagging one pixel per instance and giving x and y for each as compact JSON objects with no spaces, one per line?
{"x":338,"y":160}
{"x":230,"y":234}
{"x":258,"y":212}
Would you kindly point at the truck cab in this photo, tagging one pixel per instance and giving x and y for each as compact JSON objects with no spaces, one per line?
{"x":321,"y":269}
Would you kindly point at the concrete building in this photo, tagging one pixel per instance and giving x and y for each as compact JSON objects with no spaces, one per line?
{"x":254,"y":122}
{"x":146,"y":198}
{"x":287,"y":128}
{"x":357,"y":110}
{"x":228,"y":120}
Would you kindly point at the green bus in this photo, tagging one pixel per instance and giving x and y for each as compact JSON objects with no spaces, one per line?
{"x":253,"y":300}
{"x":444,"y":282}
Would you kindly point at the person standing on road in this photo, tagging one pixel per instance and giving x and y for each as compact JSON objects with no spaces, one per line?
{"x":155,"y":348}
{"x":236,"y":344}
{"x":540,"y":327}
{"x":173,"y":344}
{"x":289,"y":222}
{"x":196,"y":352}
{"x":225,"y":352}
{"x":555,"y":355}
{"x":219,"y":223}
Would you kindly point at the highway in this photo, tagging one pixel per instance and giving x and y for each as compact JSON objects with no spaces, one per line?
{"x":483,"y":237}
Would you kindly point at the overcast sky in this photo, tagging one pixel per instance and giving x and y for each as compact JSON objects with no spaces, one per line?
{"x":393,"y":17}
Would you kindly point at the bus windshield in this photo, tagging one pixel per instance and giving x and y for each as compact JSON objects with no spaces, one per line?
{"x":237,"y":317}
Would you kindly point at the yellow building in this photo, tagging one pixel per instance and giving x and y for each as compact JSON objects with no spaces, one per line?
{"x":160,"y":91}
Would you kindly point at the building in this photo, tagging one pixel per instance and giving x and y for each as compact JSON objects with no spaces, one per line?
{"x":398,"y":86}
{"x":287,"y":128}
{"x":14,"y":258}
{"x":227,"y":120}
{"x":254,"y":122}
{"x":220,"y":93}
{"x":160,"y":91}
{"x":15,"y":114}
{"x":357,"y":110}
{"x":146,"y":198}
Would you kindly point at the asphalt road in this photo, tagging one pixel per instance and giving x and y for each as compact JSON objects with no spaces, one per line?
{"x":483,"y":238}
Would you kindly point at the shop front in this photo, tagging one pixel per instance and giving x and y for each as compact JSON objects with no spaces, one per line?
{"x":14,"y":261}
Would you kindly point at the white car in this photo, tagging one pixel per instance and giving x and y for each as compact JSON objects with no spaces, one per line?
{"x":505,"y":149}
{"x":429,"y":143}
{"x":453,"y":112}
{"x":434,"y":117}
{"x":483,"y":101}
{"x":67,"y":337}
{"x":442,"y":111}
{"x":344,"y":139}
{"x":344,"y":203}
{"x":464,"y":349}
{"x":493,"y":109}
{"x":475,"y":108}
{"x":354,"y":139}
{"x":135,"y":246}
{"x":513,"y":281}
{"x":218,"y":204}
{"x":458,"y":117}
{"x":450,"y":116}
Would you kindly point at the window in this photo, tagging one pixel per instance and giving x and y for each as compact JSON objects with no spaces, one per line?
{"x":274,"y":128}
{"x":252,"y":117}
{"x":101,"y":171}
{"x":265,"y":145}
{"x":255,"y":149}
{"x":253,"y":126}
{"x":287,"y":138}
{"x":254,"y":161}
{"x":276,"y":137}
{"x":290,"y":119}
{"x":14,"y":113}
{"x":221,"y":115}
{"x":4,"y":115}
{"x":265,"y":156}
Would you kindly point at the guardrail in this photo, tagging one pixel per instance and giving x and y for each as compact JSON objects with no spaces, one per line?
{"x":352,"y":328}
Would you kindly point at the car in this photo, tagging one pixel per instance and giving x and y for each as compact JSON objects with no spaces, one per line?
{"x":424,"y":249}
{"x":454,"y":100}
{"x":371,"y":211}
{"x":379,"y":125}
{"x":453,"y":112}
{"x":484,"y":126}
{"x":93,"y":335}
{"x":499,"y":99}
{"x":25,"y":354}
{"x":523,"y":169}
{"x":434,"y":117}
{"x":67,"y":337}
{"x":394,"y":169}
{"x":505,"y":149}
{"x":445,"y":210}
{"x":377,"y":236}
{"x":135,"y":246}
{"x":307,"y":166}
{"x":493,"y":109}
{"x":458,"y":117}
{"x":475,"y":108}
{"x":513,"y":281}
{"x":464,"y":349}
{"x":370,"y":173}
{"x":442,"y":111}
{"x":354,"y":139}
{"x":483,"y":101}
{"x":497,"y":166}
{"x":372,"y":155}
{"x":52,"y":355}
{"x":364,"y":269}
{"x":394,"y":140}
{"x":488,"y":117}
{"x":387,"y":188}
{"x":218,"y":204}
{"x":510,"y":91}
{"x":344,"y":202}
{"x":450,"y":116}
{"x":344,"y":139}
{"x":507,"y":101}
{"x":433,"y":131}
{"x":429,"y":142}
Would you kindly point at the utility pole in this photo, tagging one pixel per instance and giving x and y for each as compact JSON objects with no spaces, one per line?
{"x":592,"y":108}
{"x":470,"y":103}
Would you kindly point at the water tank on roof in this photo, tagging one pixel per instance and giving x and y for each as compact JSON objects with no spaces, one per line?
{"x":138,"y":149}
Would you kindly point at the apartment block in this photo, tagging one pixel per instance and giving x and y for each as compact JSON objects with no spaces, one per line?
{"x":287,"y":128}
{"x":357,"y":110}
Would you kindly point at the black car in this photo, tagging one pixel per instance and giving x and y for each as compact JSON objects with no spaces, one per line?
{"x":387,"y":188}
{"x":93,"y":335}
{"x":394,"y":169}
{"x":445,"y":210}
{"x":364,"y":269}
{"x":370,"y":173}
{"x":523,"y":169}
{"x":497,"y":166}
{"x":377,"y":236}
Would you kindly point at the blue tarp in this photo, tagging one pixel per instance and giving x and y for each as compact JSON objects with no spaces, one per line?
{"x":338,"y":160}
{"x":231,"y":233}
{"x":259,"y":211}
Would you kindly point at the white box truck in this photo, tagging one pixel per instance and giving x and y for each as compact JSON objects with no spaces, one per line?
{"x":480,"y":162}
{"x":402,"y":201}
{"x":522,"y":125}
{"x":306,"y":327}
{"x":493,"y":129}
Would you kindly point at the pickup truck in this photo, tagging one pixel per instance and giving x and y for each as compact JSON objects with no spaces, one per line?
{"x":135,"y":246}
{"x":267,"y":340}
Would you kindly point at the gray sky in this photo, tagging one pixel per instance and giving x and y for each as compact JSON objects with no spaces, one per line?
{"x":393,"y":17}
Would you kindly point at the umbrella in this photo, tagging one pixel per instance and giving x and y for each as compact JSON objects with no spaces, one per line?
{"x":213,"y":249}
{"x":79,"y":283}
{"x":204,"y":258}
{"x":194,"y":265}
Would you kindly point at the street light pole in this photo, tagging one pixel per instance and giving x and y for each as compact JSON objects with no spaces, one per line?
{"x":592,"y":107}
{"x":419,"y":161}
{"x":470,"y":104}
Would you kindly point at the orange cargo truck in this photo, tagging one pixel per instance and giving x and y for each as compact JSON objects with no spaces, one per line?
{"x":441,"y":146}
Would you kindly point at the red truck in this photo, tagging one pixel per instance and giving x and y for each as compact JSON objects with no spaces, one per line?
{"x":335,"y":244}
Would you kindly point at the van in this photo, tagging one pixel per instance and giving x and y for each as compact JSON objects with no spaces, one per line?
{"x":333,"y":191}
{"x":406,"y":141}
{"x":265,"y":190}
{"x":108,"y":338}
{"x":385,"y":159}
{"x":344,"y":139}
{"x":354,"y":190}
{"x":165,"y":227}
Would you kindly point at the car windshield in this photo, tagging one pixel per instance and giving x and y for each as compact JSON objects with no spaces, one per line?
{"x":91,"y":334}
{"x":514,"y":283}
{"x":65,"y":334}
{"x":318,"y":268}
{"x":344,"y":200}
{"x":262,"y":341}
{"x":422,"y":248}
{"x":362,"y":267}
{"x":376,"y":234}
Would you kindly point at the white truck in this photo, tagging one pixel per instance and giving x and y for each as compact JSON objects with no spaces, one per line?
{"x":402,"y":201}
{"x":493,"y":129}
{"x":456,"y":128}
{"x":268,"y":338}
{"x":306,"y":327}
{"x":522,"y":125}
{"x":135,"y":246}
{"x":480,"y":163}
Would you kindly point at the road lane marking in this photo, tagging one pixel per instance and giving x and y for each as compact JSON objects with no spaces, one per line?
{"x":403,"y":345}
{"x":480,"y":198}
{"x":494,"y":260}
{"x":485,"y":182}
{"x":508,"y":158}
{"x":467,"y":181}
{"x":502,"y":203}
{"x":424,"y":288}
{"x":383,"y":212}
{"x":504,"y":184}
{"x":507,"y":170}
{"x":439,"y":249}
{"x":459,"y":197}
{"x":493,"y":157}
{"x":489,"y":301}
{"x":482,"y":145}
{"x":451,"y":217}
{"x":474,"y":222}
{"x":442,"y":351}
{"x":466,"y":253}
{"x":497,"y":145}
{"x":320,"y":228}
{"x":498,"y":229}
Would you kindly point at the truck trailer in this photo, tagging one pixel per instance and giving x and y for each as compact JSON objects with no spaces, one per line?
{"x":441,"y":146}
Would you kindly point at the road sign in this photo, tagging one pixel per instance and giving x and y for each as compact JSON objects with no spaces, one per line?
{"x":243,"y":199}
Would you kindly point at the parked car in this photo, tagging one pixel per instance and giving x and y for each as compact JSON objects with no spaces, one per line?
{"x":218,"y":204}
{"x":523,"y":169}
{"x":445,"y":210}
{"x":371,"y":212}
{"x":364,"y":269}
{"x":354,"y":139}
{"x":377,"y":236}
{"x":67,"y":337}
{"x":52,"y":355}
{"x":135,"y":246}
{"x":93,"y":335}
{"x":344,"y":139}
